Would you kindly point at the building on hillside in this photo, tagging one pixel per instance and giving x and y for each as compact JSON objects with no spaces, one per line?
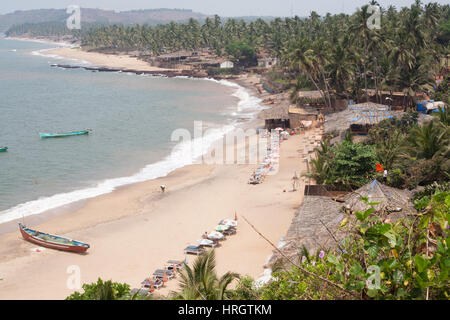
{"x":267,"y":62}
{"x":227,"y":65}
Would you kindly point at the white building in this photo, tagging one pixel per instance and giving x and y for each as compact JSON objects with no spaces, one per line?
{"x":227,"y":65}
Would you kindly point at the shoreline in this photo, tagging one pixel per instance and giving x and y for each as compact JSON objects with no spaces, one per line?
{"x":242,"y":86}
{"x":136,"y":229}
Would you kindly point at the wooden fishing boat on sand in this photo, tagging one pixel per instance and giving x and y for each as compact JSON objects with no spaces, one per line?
{"x":64,"y":134}
{"x":52,"y":241}
{"x":3,"y":149}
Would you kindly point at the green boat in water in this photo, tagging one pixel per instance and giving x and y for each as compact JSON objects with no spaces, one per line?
{"x":3,"y":149}
{"x":64,"y":134}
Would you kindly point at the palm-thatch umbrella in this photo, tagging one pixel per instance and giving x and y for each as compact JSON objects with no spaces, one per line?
{"x":390,"y":200}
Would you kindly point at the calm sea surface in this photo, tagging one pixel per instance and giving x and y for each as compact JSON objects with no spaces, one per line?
{"x":132,"y":118}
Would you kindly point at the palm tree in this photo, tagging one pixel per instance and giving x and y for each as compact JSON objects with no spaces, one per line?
{"x":302,"y":59}
{"x":201,"y":282}
{"x":427,"y":141}
{"x":360,"y":31}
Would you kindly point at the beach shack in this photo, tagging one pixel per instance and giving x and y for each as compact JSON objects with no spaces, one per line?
{"x":310,"y":228}
{"x":288,"y":117}
{"x":300,"y":115}
{"x":359,"y":118}
{"x":392,"y":202}
{"x":276,"y":117}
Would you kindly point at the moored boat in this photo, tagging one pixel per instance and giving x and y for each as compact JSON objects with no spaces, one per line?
{"x":63,"y":134}
{"x":52,"y":241}
{"x":3,"y":149}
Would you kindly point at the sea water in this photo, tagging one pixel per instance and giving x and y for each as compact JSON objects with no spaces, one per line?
{"x":132,"y":120}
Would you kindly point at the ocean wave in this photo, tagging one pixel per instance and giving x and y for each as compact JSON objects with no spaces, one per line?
{"x":43,"y":53}
{"x":183,"y":154}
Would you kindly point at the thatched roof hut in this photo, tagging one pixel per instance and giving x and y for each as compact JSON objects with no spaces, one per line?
{"x":278,"y":112}
{"x":393,"y":202}
{"x":287,"y":116}
{"x":359,"y":117}
{"x":314,"y":227}
{"x":275,"y":117}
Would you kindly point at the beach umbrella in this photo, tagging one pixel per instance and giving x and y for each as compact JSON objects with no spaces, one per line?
{"x":279,"y":129}
{"x":152,"y":288}
{"x":205,"y":242}
{"x":230,"y":222}
{"x":216,"y":235}
{"x":174,"y":271}
{"x":221,"y":228}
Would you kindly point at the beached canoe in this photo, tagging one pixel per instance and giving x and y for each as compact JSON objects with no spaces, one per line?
{"x":52,"y":241}
{"x":63,"y":134}
{"x":3,"y":149}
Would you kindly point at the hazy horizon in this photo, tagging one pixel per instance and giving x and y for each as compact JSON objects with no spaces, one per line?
{"x":229,"y":8}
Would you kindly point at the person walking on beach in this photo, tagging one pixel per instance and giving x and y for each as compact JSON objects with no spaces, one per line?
{"x":163,"y":188}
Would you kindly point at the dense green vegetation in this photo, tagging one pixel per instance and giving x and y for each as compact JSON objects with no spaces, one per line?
{"x":102,"y":290}
{"x":411,"y":257}
{"x":336,"y":54}
{"x":414,"y":155}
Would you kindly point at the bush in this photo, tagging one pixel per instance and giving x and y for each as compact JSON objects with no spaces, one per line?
{"x":379,"y":259}
{"x":101,"y":290}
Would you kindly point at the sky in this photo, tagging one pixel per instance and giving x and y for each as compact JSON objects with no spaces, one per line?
{"x":226,"y":8}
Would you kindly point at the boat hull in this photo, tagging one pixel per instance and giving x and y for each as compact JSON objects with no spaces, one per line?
{"x":52,"y":245}
{"x":3,"y":149}
{"x":62,"y":135}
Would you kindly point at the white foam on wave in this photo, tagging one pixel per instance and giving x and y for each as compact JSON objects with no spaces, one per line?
{"x":183,"y":154}
{"x":43,"y":53}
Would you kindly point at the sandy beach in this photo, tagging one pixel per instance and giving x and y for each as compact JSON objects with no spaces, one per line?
{"x":121,"y":61}
{"x":136,"y":229}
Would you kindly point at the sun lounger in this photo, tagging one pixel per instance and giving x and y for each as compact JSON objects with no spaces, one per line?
{"x":229,"y":232}
{"x":160,"y":273}
{"x":157,"y":283}
{"x":206,"y":243}
{"x":194,"y":250}
{"x":178,"y":265}
{"x":142,"y":292}
{"x":176,"y":262}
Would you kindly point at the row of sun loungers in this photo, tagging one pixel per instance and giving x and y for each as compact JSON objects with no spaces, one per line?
{"x":225,"y":228}
{"x":270,"y":160}
{"x":159,"y":277}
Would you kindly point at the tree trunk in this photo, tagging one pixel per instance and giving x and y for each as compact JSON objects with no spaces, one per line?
{"x":326,"y":87}
{"x":365,"y":73}
{"x":317,"y":87}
